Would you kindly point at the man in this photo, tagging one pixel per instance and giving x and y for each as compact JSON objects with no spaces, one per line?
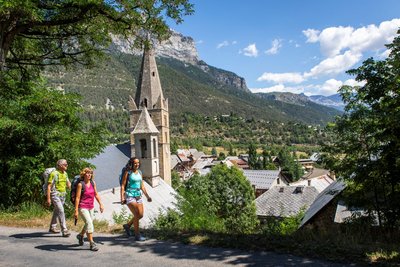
{"x":56,"y":194}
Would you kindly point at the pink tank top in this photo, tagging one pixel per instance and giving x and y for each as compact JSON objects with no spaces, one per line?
{"x":87,"y":199}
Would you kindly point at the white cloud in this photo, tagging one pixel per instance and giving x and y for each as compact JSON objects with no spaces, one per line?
{"x":353,"y":82}
{"x":276,"y":44}
{"x":281,"y":77}
{"x":250,"y":50}
{"x":334,"y":65}
{"x":330,"y":87}
{"x":279,"y":88}
{"x":224,"y":43}
{"x":312,"y":35}
{"x":384,"y":54}
{"x":276,"y":88}
{"x":334,"y":40}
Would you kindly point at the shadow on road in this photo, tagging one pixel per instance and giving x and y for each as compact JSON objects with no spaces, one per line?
{"x":35,"y":235}
{"x":58,"y":247}
{"x":179,"y":251}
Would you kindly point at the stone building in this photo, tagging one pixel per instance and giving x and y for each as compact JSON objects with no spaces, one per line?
{"x":149,"y":124}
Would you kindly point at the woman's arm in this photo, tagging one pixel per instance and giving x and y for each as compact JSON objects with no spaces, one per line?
{"x":124,"y":178}
{"x":96,"y":195}
{"x":143,"y":188}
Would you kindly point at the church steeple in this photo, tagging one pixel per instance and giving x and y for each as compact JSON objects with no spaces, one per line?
{"x":149,"y":89}
{"x":149,"y":123}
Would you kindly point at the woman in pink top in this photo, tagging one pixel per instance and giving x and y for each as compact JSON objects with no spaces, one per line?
{"x":84,"y":204}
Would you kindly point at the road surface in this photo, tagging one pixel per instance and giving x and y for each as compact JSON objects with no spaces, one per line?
{"x":37,"y":247}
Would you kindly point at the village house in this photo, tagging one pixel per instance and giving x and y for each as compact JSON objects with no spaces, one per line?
{"x":263,"y":180}
{"x":285,"y":201}
{"x":238,"y":162}
{"x":324,"y":212}
{"x":319,"y":178}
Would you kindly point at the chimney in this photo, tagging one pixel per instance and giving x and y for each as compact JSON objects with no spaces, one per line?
{"x":309,"y":182}
{"x":332,"y":175}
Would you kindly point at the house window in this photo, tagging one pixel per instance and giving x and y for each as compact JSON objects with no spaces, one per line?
{"x":154,"y":148}
{"x":143,"y":148}
{"x":153,"y":73}
{"x":278,"y":181}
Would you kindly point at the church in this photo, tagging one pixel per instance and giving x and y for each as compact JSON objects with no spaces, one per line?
{"x":149,"y":124}
{"x":149,"y":142}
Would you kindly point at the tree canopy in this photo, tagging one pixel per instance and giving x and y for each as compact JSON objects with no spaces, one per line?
{"x":37,"y":33}
{"x":38,"y":124}
{"x":366,"y":150}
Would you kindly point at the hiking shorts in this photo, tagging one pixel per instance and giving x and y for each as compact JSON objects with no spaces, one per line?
{"x":138,"y":200}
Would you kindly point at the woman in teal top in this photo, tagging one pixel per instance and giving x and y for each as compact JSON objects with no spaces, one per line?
{"x":132,"y":188}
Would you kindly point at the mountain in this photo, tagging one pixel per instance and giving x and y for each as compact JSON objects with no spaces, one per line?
{"x":333,"y":101}
{"x":183,"y":49}
{"x":190,"y":84}
{"x":306,"y":107}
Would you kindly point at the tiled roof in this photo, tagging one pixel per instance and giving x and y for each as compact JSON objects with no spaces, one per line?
{"x":315,"y":172}
{"x":163,"y":198}
{"x":174,"y":160}
{"x":323,"y":199}
{"x":108,"y":167}
{"x":183,"y":157}
{"x":261,"y":179}
{"x":285,"y":201}
{"x":320,"y":183}
{"x":202,"y":163}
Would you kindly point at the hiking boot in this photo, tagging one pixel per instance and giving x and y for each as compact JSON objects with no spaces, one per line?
{"x":127,"y":229}
{"x":140,"y":238}
{"x":80,"y":239}
{"x":66,"y":233}
{"x":93,"y":247}
{"x":54,"y":230}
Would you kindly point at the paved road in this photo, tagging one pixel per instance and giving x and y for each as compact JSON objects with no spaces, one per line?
{"x":36,"y":247}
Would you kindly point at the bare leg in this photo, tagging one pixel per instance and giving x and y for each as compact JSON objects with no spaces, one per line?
{"x":137,"y":211}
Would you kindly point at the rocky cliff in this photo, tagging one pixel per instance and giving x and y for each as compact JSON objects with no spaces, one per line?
{"x":183,"y":48}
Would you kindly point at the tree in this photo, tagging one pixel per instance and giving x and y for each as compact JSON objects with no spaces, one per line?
{"x":253,"y":159}
{"x":36,"y":129}
{"x":37,"y":33}
{"x":366,"y":150}
{"x":289,"y":165}
{"x":39,"y":125}
{"x":214,"y":152}
{"x":225,"y":194}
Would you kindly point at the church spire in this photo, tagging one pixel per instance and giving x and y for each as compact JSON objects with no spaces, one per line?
{"x":149,"y":89}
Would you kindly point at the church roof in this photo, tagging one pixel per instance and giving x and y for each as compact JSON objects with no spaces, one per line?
{"x":108,"y":165}
{"x":149,"y":91}
{"x":145,"y":124}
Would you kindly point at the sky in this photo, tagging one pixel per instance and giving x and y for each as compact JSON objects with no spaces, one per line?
{"x":298,"y":46}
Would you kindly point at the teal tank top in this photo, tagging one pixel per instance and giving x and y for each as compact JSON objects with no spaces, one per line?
{"x":134,"y":184}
